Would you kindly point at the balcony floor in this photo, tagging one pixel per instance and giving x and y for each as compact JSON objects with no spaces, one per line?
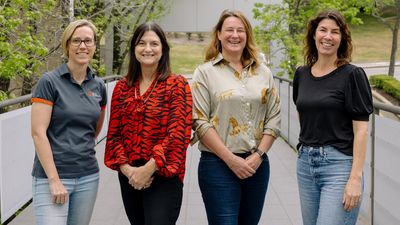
{"x":281,"y":207}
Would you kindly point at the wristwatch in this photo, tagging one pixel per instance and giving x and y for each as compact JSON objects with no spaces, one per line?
{"x":260,"y":153}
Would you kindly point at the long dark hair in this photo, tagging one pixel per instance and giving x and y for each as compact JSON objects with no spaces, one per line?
{"x":346,"y":47}
{"x":163,"y":68}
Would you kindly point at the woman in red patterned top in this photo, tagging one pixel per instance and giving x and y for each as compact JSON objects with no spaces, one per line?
{"x":149,"y":131}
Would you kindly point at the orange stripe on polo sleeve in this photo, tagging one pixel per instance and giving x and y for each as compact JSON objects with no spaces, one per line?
{"x":41,"y":100}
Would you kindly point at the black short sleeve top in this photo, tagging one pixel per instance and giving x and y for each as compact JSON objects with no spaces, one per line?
{"x":327,"y":105}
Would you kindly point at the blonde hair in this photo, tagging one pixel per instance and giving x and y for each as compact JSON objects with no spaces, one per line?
{"x":250,"y":51}
{"x":69,"y":31}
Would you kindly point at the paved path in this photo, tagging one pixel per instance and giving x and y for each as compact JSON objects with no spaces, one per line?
{"x":379,"y":68}
{"x":281,"y":206}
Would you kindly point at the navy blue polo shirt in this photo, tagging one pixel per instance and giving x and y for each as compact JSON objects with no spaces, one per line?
{"x":71,"y":132}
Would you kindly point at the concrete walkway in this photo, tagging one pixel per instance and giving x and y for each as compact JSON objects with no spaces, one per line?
{"x":380,"y":68}
{"x":281,"y":206}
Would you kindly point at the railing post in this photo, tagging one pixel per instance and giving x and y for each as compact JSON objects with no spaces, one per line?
{"x":288,"y":138}
{"x":372,"y":166}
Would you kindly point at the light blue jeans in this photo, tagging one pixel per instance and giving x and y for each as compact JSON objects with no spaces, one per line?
{"x":82,"y":193}
{"x":322,"y":174}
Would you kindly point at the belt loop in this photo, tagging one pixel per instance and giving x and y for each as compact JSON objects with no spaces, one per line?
{"x":321,"y":150}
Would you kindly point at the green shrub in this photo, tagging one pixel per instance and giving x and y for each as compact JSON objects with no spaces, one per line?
{"x":388,"y":84}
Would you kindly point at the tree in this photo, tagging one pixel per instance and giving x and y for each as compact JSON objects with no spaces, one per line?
{"x":124,"y":17}
{"x":388,"y":12}
{"x":21,"y":47}
{"x":30,"y":34}
{"x":284,"y":25}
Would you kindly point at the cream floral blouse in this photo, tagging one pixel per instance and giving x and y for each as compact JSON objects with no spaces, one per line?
{"x":241,"y":107}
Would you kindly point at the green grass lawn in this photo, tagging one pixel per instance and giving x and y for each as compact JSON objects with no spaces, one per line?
{"x":372,"y":43}
{"x":185,"y":57}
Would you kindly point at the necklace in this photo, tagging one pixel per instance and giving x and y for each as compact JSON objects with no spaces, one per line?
{"x":140,"y":107}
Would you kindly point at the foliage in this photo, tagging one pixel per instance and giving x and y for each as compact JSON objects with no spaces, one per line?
{"x":121,"y":17}
{"x":283,"y":25}
{"x":30,"y":34}
{"x":388,"y":84}
{"x":3,"y":95}
{"x":21,"y":46}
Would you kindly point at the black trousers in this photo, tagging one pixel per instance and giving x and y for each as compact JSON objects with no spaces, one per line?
{"x":159,"y":204}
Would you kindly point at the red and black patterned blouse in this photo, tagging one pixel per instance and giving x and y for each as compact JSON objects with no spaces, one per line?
{"x":155,"y":125}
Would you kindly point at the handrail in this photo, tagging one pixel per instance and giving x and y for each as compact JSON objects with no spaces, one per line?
{"x":25,"y":98}
{"x":377,"y":105}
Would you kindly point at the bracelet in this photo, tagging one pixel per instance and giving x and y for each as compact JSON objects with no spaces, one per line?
{"x":260,"y":153}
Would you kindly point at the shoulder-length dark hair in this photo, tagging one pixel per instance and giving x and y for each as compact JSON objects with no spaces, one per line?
{"x":346,"y":47}
{"x":250,"y":51}
{"x":163,"y":68}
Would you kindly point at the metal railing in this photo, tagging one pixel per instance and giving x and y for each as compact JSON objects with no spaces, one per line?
{"x":27,"y":98}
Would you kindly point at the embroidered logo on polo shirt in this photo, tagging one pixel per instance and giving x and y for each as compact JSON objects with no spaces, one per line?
{"x":92,"y":94}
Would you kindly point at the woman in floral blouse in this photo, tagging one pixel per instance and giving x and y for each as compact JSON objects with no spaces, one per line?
{"x":236,"y":118}
{"x":149,"y":131}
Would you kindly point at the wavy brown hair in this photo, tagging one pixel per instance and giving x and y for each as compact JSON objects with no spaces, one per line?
{"x":249,"y":52}
{"x":346,"y":47}
{"x":134,"y":68}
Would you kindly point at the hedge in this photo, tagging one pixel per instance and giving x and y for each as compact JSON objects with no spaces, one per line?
{"x":388,"y":84}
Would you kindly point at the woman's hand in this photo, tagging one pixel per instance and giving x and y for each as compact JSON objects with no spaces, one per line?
{"x":59,"y":194}
{"x":240,"y":167}
{"x":254,"y":161}
{"x":140,"y":177}
{"x":352,"y":194}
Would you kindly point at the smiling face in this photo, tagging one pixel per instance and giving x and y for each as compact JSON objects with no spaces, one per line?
{"x":81,"y":54}
{"x":327,"y":37}
{"x":148,"y":50}
{"x":232,"y":36}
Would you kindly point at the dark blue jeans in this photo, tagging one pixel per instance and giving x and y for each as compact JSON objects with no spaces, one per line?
{"x":228,"y":199}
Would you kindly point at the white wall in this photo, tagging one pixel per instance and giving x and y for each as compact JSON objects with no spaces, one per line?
{"x":202,"y":15}
{"x":16,"y":158}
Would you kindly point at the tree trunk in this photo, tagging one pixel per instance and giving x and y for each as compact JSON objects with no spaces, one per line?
{"x":395,"y":35}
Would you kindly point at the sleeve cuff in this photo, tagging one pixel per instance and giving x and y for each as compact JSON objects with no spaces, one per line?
{"x":274,"y":133}
{"x":41,"y":100}
{"x":158,"y":155}
{"x":103,"y":107}
{"x":361,"y":117}
{"x":199,"y":132}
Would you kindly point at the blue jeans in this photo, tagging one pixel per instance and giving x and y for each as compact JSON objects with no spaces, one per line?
{"x":82,"y":193}
{"x":229,"y":200}
{"x":322,"y":174}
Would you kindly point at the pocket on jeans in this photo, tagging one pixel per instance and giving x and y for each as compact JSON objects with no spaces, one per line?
{"x":334,"y":155}
{"x":300,"y":151}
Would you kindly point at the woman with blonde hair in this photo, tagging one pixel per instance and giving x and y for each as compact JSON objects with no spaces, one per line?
{"x":68,"y":109}
{"x":236,"y":118}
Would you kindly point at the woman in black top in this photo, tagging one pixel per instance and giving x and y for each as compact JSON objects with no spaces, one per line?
{"x":334,"y":102}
